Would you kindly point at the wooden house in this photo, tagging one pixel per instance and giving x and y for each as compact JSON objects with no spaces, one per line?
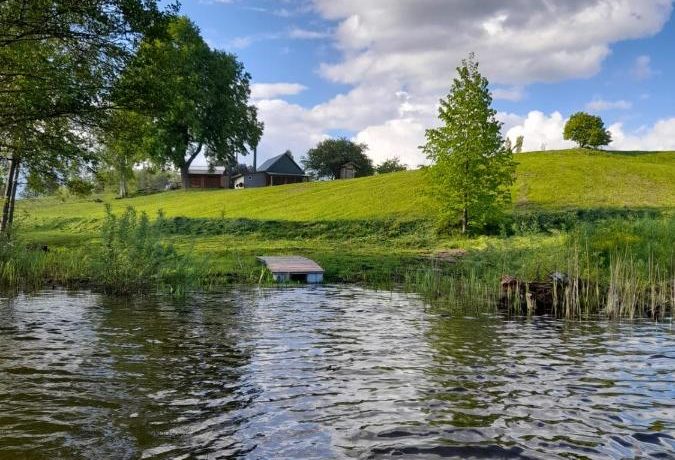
{"x":279,"y":170}
{"x":205,"y":177}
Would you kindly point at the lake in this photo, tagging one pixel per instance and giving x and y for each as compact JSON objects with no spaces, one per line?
{"x":324,"y":372}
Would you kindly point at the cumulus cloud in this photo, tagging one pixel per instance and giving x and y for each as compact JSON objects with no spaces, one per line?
{"x":660,"y":136}
{"x":274,"y":90}
{"x":540,"y":131}
{"x":519,"y":42}
{"x":399,"y":138}
{"x":601,"y":105}
{"x":399,"y":58}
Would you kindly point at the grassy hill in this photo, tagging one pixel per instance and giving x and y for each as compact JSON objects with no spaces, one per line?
{"x":606,"y":216}
{"x":548,"y":180}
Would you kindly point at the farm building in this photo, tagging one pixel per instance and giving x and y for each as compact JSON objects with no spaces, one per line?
{"x":279,"y":170}
{"x":205,"y":177}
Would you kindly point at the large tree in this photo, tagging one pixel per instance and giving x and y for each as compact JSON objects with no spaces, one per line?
{"x":586,"y":130}
{"x":197,"y":97}
{"x":330,"y":155}
{"x":473,"y":169}
{"x":58,"y":61}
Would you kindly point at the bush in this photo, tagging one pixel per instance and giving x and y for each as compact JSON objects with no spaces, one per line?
{"x":132,"y":257}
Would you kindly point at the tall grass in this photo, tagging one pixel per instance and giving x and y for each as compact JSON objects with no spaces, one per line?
{"x":133,"y":258}
{"x":615,"y":268}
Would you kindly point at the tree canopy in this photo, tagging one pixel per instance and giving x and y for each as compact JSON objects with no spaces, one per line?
{"x":197,"y":97}
{"x":58,"y":61}
{"x":472,"y":168}
{"x":390,"y":165}
{"x":330,"y":155}
{"x":587,"y":130}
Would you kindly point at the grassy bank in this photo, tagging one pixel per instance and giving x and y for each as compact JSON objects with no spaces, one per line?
{"x":575,"y":212}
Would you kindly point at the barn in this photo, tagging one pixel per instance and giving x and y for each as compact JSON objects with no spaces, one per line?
{"x":279,"y":170}
{"x":205,"y":177}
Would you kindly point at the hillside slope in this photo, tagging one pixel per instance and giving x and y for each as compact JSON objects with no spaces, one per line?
{"x":552,"y":180}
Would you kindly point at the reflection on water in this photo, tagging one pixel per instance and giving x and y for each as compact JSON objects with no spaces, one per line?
{"x":324,"y":372}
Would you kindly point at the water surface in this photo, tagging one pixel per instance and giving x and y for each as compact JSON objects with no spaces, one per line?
{"x":324,"y":372}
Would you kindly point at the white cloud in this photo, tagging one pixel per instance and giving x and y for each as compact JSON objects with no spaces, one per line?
{"x":400,"y":58}
{"x":519,"y":42}
{"x":660,"y":136}
{"x":305,"y":34}
{"x":514,"y":93}
{"x":274,"y":90}
{"x":601,"y":105}
{"x":540,"y":131}
{"x":396,"y":138}
{"x":642,"y":68}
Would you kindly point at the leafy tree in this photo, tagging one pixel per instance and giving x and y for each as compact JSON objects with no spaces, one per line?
{"x":390,"y":165}
{"x":58,"y":61}
{"x":518,"y":146}
{"x":472,"y":168}
{"x":197,"y":97}
{"x":586,"y":130}
{"x":330,"y":155}
{"x":126,"y":141}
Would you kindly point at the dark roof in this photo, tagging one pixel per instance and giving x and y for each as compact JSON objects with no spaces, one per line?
{"x":281,"y":164}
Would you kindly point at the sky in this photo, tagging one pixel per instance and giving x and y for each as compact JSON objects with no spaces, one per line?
{"x":374,"y":70}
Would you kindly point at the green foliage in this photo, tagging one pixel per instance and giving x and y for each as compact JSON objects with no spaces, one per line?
{"x":473,"y":170}
{"x":587,"y":130}
{"x":132,"y":257}
{"x":390,"y":165}
{"x":330,"y":155}
{"x":518,"y":146}
{"x":126,"y":140}
{"x":198,"y":98}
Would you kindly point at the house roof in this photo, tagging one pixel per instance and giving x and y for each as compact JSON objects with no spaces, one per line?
{"x":206,"y":170}
{"x":281,"y":164}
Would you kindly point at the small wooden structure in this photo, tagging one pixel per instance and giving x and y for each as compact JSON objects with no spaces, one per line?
{"x":348,"y":171}
{"x":205,"y":177}
{"x":293,"y":268}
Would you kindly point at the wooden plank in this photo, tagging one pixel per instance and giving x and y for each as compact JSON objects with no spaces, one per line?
{"x":290,"y":264}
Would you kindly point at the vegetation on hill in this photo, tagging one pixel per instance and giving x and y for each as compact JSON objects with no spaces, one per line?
{"x":601,"y":214}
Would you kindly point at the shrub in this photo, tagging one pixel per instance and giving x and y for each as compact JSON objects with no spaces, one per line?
{"x":132,"y":257}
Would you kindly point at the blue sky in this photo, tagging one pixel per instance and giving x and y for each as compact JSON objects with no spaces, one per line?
{"x":374,"y":70}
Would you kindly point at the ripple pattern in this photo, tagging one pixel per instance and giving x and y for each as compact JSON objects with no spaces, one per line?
{"x":324,"y":372}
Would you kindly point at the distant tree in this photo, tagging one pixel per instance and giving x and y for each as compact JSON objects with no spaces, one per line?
{"x":586,"y":130}
{"x":518,"y":146}
{"x":390,"y":165}
{"x":197,"y":97}
{"x":125,"y":141}
{"x":330,"y":155}
{"x":240,"y":168}
{"x":473,"y":170}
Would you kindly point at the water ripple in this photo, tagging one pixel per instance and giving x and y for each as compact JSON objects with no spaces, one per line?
{"x":324,"y":372}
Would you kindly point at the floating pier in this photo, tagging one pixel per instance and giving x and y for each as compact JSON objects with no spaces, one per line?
{"x":293,"y":268}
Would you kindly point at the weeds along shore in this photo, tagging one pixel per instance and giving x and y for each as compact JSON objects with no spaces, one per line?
{"x":617,"y":264}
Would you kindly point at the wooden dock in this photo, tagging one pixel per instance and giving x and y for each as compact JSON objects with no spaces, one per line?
{"x":293,"y":268}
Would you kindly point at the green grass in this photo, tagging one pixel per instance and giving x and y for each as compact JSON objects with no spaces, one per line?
{"x":552,"y":180}
{"x":380,"y":230}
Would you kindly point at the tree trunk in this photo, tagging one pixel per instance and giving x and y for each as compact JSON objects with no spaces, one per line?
{"x":123,"y":187}
{"x":7,"y":196}
{"x":185,"y":176}
{"x":14,"y":187}
{"x":185,"y":168}
{"x":465,"y":220}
